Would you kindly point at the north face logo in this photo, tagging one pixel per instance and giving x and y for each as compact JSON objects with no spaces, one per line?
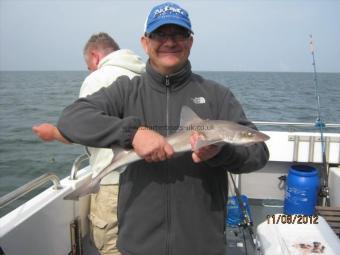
{"x":198,"y":100}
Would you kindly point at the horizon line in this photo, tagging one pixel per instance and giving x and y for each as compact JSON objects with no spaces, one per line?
{"x":231,"y":71}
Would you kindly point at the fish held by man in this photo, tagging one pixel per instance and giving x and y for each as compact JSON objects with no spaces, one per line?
{"x":211,"y":132}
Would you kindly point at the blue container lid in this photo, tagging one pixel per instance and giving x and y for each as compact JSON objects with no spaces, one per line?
{"x":303,"y":170}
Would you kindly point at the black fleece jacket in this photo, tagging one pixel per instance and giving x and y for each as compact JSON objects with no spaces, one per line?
{"x":174,"y":207}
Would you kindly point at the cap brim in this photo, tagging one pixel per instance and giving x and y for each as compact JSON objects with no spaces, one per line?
{"x":160,"y":23}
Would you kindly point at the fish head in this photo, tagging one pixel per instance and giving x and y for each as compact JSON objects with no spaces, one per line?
{"x":231,"y":132}
{"x":250,"y":136}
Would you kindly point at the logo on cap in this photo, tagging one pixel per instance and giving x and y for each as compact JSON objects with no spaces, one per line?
{"x":168,"y":9}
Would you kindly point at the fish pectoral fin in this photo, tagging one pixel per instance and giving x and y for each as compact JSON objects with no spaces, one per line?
{"x":116,"y":149}
{"x":202,"y":143}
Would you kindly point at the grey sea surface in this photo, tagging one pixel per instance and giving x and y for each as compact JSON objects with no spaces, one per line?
{"x":29,"y":98}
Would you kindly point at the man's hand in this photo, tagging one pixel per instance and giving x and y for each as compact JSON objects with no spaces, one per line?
{"x":151,"y":146}
{"x":48,"y":132}
{"x":203,"y":153}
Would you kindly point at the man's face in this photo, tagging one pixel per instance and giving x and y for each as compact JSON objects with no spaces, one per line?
{"x":168,"y":48}
{"x":92,"y":59}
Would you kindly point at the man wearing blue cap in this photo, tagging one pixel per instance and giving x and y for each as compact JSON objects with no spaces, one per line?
{"x":167,"y":205}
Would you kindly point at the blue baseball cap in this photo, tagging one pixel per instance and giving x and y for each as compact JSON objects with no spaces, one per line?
{"x":167,"y":13}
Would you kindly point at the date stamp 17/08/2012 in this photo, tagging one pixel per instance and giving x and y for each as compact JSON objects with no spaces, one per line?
{"x":292,"y":219}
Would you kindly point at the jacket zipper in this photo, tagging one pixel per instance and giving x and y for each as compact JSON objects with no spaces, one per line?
{"x":167,"y":86}
{"x":168,"y":200}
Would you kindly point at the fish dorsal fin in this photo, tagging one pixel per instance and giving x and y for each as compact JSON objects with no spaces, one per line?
{"x":188,"y":117}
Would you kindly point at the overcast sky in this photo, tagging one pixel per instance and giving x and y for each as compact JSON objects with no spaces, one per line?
{"x":230,"y":35}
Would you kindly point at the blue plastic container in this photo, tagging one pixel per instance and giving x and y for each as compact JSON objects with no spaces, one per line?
{"x":234,"y":213}
{"x":301,"y":190}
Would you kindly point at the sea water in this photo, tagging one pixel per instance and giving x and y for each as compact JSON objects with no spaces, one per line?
{"x":29,"y":98}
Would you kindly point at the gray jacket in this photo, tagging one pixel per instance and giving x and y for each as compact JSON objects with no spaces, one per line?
{"x":174,"y":207}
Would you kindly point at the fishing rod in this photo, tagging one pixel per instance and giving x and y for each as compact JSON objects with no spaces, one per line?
{"x":247,"y":222}
{"x":324,"y":191}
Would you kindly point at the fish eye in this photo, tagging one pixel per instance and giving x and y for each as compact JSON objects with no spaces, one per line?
{"x":248,"y":134}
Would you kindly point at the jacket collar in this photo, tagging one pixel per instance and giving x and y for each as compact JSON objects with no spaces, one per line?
{"x":174,"y":81}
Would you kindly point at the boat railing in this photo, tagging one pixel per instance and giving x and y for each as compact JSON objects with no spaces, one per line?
{"x":293,"y":124}
{"x":77,"y":165}
{"x":40,"y":181}
{"x":30,"y":186}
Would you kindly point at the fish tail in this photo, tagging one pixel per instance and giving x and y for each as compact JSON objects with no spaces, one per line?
{"x":96,"y":188}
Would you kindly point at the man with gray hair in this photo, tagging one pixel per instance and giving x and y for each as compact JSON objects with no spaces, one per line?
{"x":106,"y":62}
